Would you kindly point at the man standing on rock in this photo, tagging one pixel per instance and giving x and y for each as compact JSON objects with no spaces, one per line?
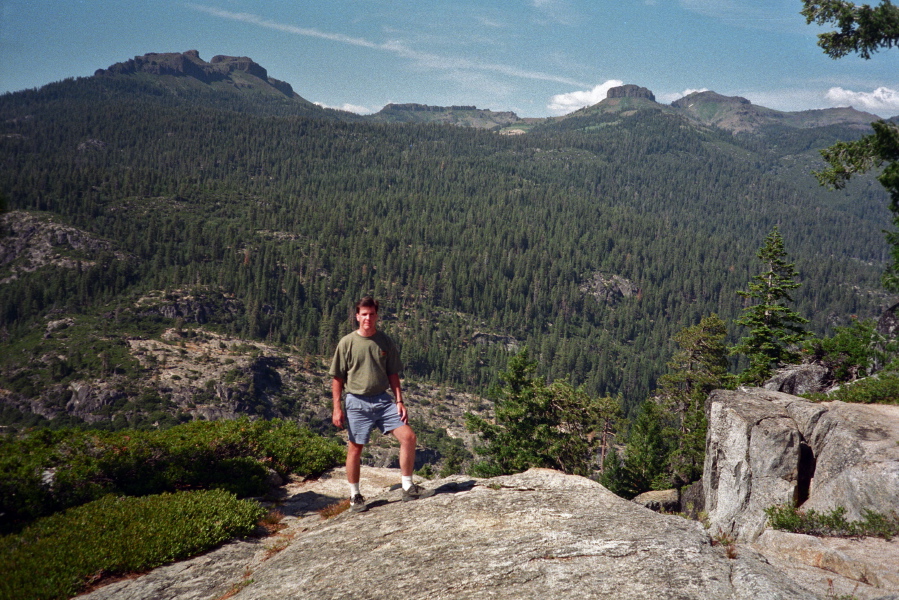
{"x":365,"y":364}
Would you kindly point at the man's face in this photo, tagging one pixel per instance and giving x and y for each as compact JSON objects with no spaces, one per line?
{"x":368,"y":319}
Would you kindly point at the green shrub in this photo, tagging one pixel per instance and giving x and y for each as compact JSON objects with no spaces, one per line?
{"x":833,"y":523}
{"x":853,"y":351}
{"x":48,"y":471}
{"x":881,"y":389}
{"x":57,"y":556}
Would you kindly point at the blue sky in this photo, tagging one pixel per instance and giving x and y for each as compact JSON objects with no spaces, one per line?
{"x":537,"y":58}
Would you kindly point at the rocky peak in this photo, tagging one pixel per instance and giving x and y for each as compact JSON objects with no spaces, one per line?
{"x":630,"y":91}
{"x":189,"y":64}
{"x":708,"y":97}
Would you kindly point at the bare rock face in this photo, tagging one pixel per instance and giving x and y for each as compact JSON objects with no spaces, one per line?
{"x":611,"y":289}
{"x":866,"y":568}
{"x":765,"y":448}
{"x":630,"y":91}
{"x":539,"y":534}
{"x":189,"y":64}
{"x":800,"y":379}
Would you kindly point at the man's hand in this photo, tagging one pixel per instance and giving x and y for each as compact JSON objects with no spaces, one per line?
{"x":337,"y":418}
{"x":401,"y":409}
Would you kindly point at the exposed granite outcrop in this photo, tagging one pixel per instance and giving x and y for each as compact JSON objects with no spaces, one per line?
{"x":765,"y":448}
{"x":539,"y":534}
{"x":800,"y":379}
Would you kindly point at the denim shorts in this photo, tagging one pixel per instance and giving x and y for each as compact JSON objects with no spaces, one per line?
{"x":364,"y":413}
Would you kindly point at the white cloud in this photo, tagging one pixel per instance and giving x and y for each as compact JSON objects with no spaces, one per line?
{"x":881,"y":100}
{"x":668,"y":98}
{"x":397,"y":48}
{"x":562,"y":104}
{"x":353,"y":108}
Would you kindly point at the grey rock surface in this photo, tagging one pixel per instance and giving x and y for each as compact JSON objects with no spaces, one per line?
{"x":765,"y":448}
{"x":226,"y":569}
{"x":660,"y":500}
{"x":800,"y":379}
{"x":539,"y":534}
{"x":865,"y":568}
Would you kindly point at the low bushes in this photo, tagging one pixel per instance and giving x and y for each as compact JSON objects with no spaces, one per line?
{"x":47,"y":471}
{"x":882,"y":388}
{"x":58,"y":556}
{"x":834,"y":523}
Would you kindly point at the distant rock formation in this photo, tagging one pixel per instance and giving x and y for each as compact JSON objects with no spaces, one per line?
{"x":426,"y":108}
{"x":711,"y":97}
{"x":630,"y":91}
{"x":33,"y":242}
{"x":766,"y":448}
{"x":190,"y":64}
{"x":611,"y":289}
{"x":468,"y":116}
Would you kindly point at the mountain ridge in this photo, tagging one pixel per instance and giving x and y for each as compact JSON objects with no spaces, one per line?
{"x":731,"y":113}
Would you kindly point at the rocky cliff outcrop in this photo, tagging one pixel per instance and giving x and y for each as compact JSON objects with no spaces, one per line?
{"x":539,"y":534}
{"x":32,"y":242}
{"x":189,"y":64}
{"x":630,"y":91}
{"x":765,"y":448}
{"x":610,"y":289}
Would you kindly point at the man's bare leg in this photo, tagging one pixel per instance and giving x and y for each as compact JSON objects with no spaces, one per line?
{"x":353,"y":462}
{"x":407,"y":440}
{"x":353,"y":467}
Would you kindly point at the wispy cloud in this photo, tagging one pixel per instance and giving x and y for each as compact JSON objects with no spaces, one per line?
{"x":557,"y":11}
{"x":397,"y":48}
{"x":492,"y":23}
{"x":881,"y":101}
{"x":770,"y":15}
{"x":562,"y":104}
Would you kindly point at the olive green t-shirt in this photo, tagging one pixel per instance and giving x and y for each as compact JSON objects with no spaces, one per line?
{"x":364,"y":363}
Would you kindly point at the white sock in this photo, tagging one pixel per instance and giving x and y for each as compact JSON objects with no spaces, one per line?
{"x":407,"y":481}
{"x":354,"y":489}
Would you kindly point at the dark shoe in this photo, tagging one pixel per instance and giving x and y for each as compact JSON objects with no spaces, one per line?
{"x":416,"y":492}
{"x":357,"y":503}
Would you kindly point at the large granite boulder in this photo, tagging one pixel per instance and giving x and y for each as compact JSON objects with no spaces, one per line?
{"x":765,"y":448}
{"x":539,"y":534}
{"x":800,"y":379}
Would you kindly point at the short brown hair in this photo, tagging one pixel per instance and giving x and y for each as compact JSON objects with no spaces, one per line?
{"x":366,"y":301}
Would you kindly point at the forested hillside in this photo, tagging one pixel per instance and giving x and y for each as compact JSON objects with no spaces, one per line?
{"x":592,"y":239}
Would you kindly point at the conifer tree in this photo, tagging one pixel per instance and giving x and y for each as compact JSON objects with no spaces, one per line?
{"x":643,"y":466}
{"x":538,"y":425}
{"x":699,"y":367}
{"x":774,"y":328}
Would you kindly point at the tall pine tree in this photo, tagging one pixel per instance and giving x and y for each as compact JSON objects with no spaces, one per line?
{"x":775,"y":329}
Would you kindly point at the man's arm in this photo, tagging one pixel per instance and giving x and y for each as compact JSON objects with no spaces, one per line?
{"x":336,"y":396}
{"x":398,"y":397}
